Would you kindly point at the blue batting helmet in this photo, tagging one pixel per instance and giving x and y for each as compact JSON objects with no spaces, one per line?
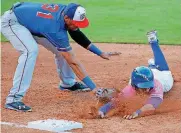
{"x":142,"y":77}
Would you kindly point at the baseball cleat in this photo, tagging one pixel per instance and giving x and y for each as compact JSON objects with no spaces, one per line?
{"x":152,"y":36}
{"x":151,"y":62}
{"x":18,"y":106}
{"x":78,"y":86}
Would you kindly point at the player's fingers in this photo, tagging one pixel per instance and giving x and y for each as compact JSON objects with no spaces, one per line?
{"x":117,"y":53}
{"x":130,"y":117}
{"x":114,"y":53}
{"x":124,"y":116}
{"x":106,"y":57}
{"x":127,"y":116}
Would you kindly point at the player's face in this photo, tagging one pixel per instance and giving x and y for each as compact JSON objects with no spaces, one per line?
{"x":69,"y":23}
{"x":143,"y":91}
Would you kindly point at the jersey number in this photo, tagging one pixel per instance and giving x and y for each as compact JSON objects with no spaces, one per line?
{"x":50,"y":8}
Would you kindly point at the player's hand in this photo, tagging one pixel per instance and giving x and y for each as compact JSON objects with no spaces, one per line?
{"x":107,"y":55}
{"x":132,"y":116}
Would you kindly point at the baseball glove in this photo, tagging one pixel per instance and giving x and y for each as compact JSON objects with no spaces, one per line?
{"x":105,"y":93}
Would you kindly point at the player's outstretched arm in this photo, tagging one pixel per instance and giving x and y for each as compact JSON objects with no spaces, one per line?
{"x":149,"y":107}
{"x":105,"y":55}
{"x":79,"y":37}
{"x":117,"y":98}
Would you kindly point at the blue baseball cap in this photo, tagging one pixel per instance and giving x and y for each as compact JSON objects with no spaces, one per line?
{"x":78,"y":15}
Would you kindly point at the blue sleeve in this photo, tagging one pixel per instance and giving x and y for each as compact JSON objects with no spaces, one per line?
{"x":59,"y":40}
{"x":155,"y":101}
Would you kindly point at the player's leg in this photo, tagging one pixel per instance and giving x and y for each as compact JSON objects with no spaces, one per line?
{"x":24,"y":43}
{"x":159,"y":59}
{"x":65,"y":72}
{"x":164,"y":75}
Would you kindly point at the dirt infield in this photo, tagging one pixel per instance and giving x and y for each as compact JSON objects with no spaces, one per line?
{"x":47,"y":101}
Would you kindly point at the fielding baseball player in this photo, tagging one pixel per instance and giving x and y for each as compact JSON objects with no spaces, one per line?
{"x":27,"y":24}
{"x":153,"y":80}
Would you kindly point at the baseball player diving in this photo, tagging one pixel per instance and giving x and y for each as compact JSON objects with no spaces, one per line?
{"x":27,"y":24}
{"x":153,"y":80}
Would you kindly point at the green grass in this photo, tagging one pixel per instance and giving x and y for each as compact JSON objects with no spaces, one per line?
{"x":127,"y":21}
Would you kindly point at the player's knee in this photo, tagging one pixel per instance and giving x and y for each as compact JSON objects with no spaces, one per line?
{"x":34,"y":51}
{"x":58,"y":56}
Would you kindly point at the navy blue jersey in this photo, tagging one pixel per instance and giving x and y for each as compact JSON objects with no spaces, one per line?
{"x":46,"y":20}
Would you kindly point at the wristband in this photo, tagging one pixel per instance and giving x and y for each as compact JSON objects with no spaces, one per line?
{"x":89,"y":82}
{"x":95,"y":49}
{"x":106,"y":108}
{"x":138,"y":111}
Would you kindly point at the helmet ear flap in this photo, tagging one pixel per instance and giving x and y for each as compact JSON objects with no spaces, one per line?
{"x":135,"y":70}
{"x":133,"y":85}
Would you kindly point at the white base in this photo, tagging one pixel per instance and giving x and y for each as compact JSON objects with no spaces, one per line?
{"x":49,"y":125}
{"x":54,"y":125}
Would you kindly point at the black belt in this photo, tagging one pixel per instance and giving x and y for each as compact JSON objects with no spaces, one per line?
{"x":17,"y":4}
